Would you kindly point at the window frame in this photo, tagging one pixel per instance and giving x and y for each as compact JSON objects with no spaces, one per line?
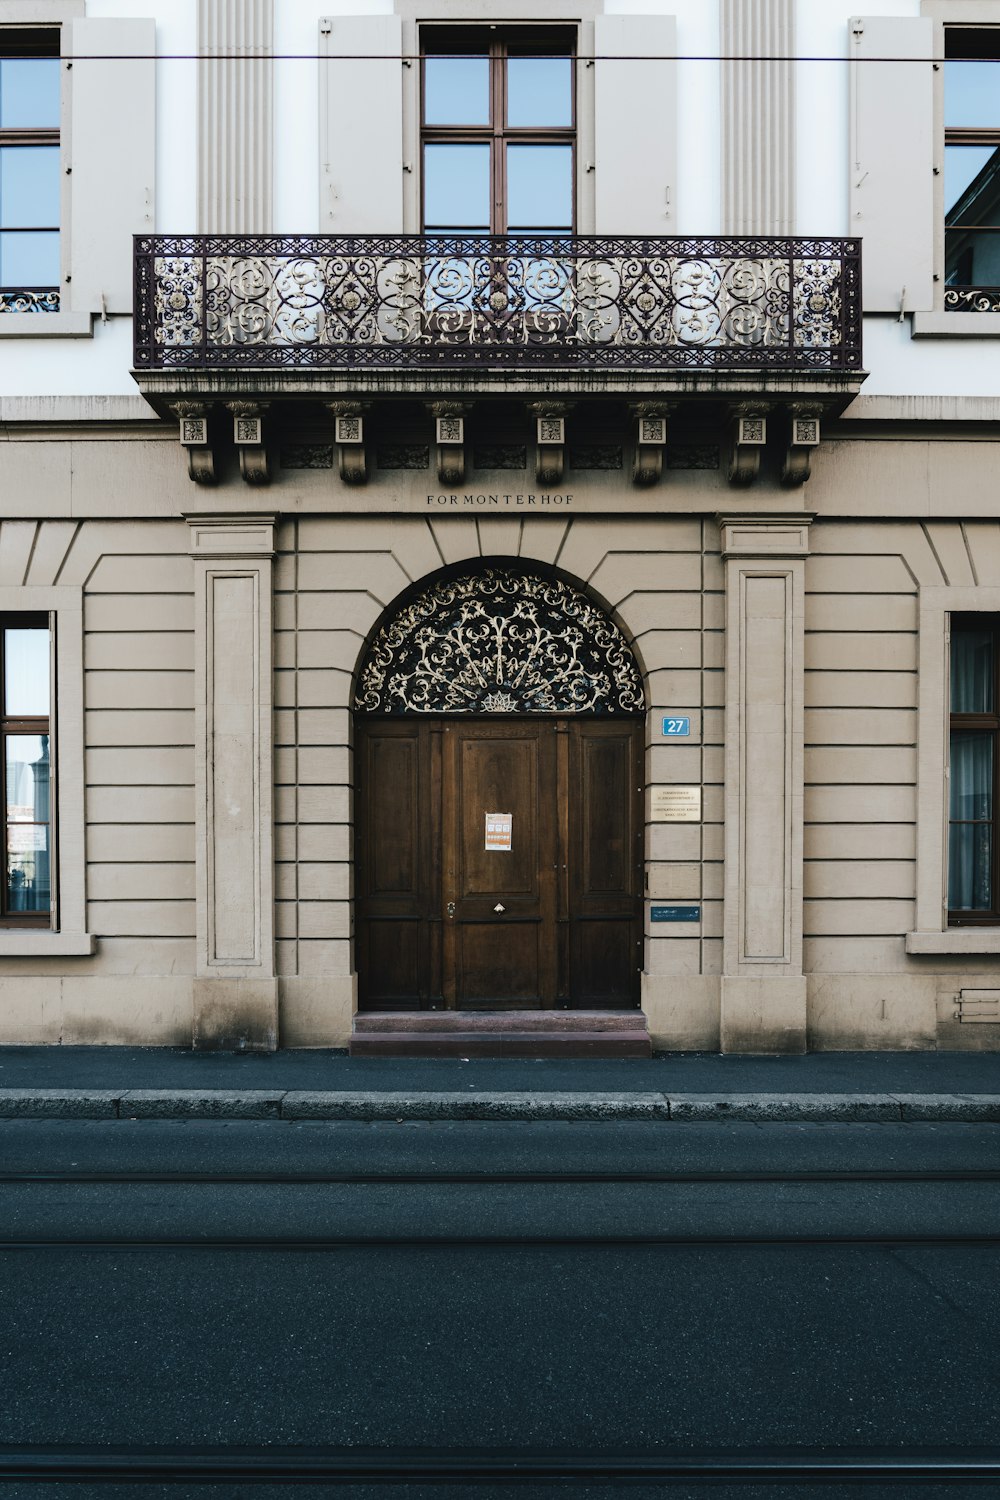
{"x":932,"y":933}
{"x":13,"y":724}
{"x":95,"y":235}
{"x":965,"y":135}
{"x":941,"y":322}
{"x":979,"y":723}
{"x":36,"y":42}
{"x":67,"y":934}
{"x":497,"y":133}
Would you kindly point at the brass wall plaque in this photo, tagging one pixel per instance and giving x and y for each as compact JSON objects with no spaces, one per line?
{"x":675,"y":804}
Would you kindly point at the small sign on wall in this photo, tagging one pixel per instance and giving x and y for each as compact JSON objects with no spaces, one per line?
{"x":676,"y":728}
{"x":675,"y":913}
{"x":499,"y":830}
{"x":675,"y":804}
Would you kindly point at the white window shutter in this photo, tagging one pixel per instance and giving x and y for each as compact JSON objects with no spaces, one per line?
{"x":361,"y":125}
{"x":635,"y":125}
{"x":112,"y":154}
{"x":892,"y":161}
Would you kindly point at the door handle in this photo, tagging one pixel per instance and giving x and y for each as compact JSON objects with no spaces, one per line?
{"x":450,"y":908}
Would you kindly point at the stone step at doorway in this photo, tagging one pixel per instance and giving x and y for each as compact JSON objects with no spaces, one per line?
{"x":501,"y":1033}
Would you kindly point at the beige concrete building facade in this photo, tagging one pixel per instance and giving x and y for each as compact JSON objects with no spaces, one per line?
{"x":783,"y":531}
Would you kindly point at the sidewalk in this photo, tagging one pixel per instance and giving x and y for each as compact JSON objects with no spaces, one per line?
{"x":174,"y":1083}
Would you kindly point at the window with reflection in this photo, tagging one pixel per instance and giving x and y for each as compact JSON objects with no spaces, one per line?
{"x":30,"y":178}
{"x":972,"y":158}
{"x":25,"y":672}
{"x":498,"y":131}
{"x":973,"y":891}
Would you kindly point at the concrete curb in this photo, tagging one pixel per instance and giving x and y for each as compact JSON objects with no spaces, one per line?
{"x":298,"y":1104}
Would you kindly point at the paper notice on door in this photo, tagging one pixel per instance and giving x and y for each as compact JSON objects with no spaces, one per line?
{"x":498,"y":830}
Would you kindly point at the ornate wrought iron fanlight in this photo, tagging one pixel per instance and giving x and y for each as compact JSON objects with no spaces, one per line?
{"x":500,"y":641}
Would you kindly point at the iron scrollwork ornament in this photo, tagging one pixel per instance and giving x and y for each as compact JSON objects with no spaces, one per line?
{"x":447,"y":301}
{"x":500,"y":641}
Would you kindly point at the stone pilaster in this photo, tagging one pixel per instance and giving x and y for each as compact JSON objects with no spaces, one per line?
{"x":763,"y":987}
{"x":235,"y":116}
{"x":758,"y":117}
{"x":236,"y":991}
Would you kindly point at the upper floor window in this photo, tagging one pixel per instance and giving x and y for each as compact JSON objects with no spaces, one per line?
{"x":973,"y":849}
{"x":498,"y":132}
{"x":29,"y":170}
{"x":25,"y":681}
{"x":972,"y":157}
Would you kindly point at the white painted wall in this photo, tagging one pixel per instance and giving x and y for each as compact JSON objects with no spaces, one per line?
{"x":72,"y":366}
{"x":176,"y":104}
{"x":296,"y":106}
{"x":100,"y":366}
{"x":699,"y":177}
{"x":898,"y":364}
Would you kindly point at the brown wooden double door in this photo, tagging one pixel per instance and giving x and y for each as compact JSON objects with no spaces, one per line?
{"x":445,"y":921}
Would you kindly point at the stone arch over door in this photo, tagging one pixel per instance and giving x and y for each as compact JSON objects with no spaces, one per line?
{"x":498,"y":638}
{"x":498,"y":689}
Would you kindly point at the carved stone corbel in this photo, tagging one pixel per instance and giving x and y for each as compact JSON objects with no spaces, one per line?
{"x":349,"y":435}
{"x":248,"y":435}
{"x":747,"y":437}
{"x":550,"y":437}
{"x":449,"y":437}
{"x":803,"y":437}
{"x":193,"y":419}
{"x":650,"y":440}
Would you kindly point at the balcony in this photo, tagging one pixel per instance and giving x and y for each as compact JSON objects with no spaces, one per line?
{"x":283,"y":331}
{"x":430,"y":312}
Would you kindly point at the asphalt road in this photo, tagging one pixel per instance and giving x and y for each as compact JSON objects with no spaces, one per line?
{"x":556,"y":1289}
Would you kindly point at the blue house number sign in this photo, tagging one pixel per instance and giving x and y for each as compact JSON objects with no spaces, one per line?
{"x":675,"y":728}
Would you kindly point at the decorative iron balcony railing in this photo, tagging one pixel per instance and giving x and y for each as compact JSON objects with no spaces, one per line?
{"x":972,"y":299}
{"x":452,"y":301}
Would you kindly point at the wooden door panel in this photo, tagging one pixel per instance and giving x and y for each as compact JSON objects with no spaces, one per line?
{"x":605,"y":863}
{"x":505,"y":957}
{"x":604,"y":852}
{"x":392,"y":957}
{"x":498,"y":776}
{"x":569,"y":885}
{"x":398,"y":873}
{"x":392,"y":830}
{"x":604,"y":962}
{"x":500,"y":963}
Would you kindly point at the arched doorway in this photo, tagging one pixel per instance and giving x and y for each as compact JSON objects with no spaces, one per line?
{"x":498,"y":756}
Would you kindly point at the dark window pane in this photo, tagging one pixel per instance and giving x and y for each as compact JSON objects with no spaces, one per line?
{"x":29,"y":187}
{"x":970,"y":865}
{"x":539,"y":187}
{"x":27,"y":778}
{"x":962,"y":166}
{"x":539,"y":91}
{"x":971,"y":670}
{"x":457,"y":186}
{"x":29,"y":92}
{"x":457,"y":91}
{"x":972,"y":93}
{"x":971,"y":775}
{"x":26,"y":673}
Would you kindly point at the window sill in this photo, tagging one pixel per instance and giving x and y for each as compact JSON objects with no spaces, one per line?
{"x":955,"y":325}
{"x":25,"y":942}
{"x":955,"y":940}
{"x":54,"y":325}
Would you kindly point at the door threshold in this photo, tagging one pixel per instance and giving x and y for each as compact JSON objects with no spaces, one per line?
{"x":501,"y":1033}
